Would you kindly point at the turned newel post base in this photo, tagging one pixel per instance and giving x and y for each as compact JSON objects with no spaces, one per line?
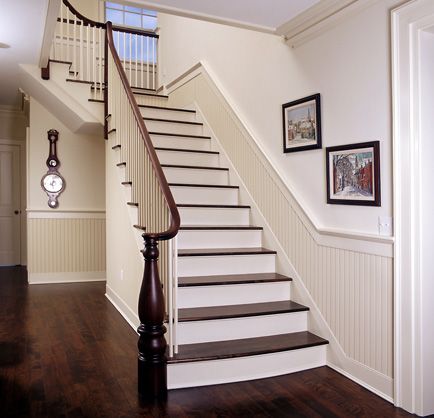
{"x":152,"y":361}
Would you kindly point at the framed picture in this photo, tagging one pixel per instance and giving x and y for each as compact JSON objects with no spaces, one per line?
{"x":353,"y":174}
{"x":302,"y":124}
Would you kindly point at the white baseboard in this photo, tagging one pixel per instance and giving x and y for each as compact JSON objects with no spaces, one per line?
{"x":67,"y":277}
{"x":387,"y":382}
{"x":128,"y":314}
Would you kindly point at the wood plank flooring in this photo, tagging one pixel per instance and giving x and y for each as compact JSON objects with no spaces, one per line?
{"x":66,"y":352}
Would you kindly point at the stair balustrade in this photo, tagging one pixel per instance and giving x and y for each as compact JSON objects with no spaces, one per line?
{"x":115,"y":60}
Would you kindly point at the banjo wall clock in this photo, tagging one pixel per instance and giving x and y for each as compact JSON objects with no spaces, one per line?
{"x":52,"y":182}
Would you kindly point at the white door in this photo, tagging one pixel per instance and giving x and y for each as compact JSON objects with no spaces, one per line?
{"x":9,"y":205}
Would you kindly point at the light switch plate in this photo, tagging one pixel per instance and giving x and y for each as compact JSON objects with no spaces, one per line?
{"x":385,"y":225}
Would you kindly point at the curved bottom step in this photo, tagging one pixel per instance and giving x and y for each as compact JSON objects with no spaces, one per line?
{"x":246,"y":359}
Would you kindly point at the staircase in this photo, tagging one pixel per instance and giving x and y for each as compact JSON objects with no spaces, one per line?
{"x":228,"y":311}
{"x":236,"y":319}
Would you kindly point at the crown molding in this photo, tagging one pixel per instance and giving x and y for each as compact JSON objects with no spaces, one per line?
{"x":319,"y":18}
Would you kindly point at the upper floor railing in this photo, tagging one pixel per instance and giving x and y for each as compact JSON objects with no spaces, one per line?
{"x":81,"y":41}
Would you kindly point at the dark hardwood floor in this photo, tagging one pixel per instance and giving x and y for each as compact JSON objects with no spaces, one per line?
{"x":66,"y":352}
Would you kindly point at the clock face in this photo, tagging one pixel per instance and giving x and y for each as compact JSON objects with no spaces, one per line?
{"x":52,"y":183}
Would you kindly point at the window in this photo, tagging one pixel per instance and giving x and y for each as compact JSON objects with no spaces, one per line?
{"x":136,"y":17}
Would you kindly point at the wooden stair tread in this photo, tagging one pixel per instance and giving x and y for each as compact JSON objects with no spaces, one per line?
{"x":95,"y":100}
{"x":198,"y":252}
{"x":173,"y":121}
{"x":142,"y":93}
{"x":190,"y":281}
{"x":180,"y":135}
{"x":174,"y":109}
{"x":239,"y":311}
{"x":217,"y":186}
{"x":201,"y":205}
{"x":197,"y":151}
{"x":221,"y":227}
{"x":246,"y":347}
{"x":194,"y":167}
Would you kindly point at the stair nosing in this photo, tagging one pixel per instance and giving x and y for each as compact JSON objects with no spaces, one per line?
{"x":196,"y":151}
{"x":252,"y":310}
{"x":194,"y":167}
{"x":172,"y":109}
{"x":184,"y":122}
{"x":180,"y":135}
{"x":162,"y":96}
{"x":221,"y":227}
{"x":217,"y":186}
{"x":221,"y":252}
{"x":199,"y":205}
{"x":231,"y":279}
{"x":177,"y":359}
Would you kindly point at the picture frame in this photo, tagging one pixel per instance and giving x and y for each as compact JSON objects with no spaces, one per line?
{"x":353,"y":174}
{"x":302,"y":124}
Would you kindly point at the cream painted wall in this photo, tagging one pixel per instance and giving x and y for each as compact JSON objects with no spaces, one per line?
{"x":12,"y":125}
{"x":125,"y":263}
{"x":88,"y":8}
{"x":67,"y":243}
{"x":81,"y":164}
{"x":348,"y":65}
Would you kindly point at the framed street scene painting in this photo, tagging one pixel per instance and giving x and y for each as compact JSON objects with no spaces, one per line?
{"x":302,"y":124}
{"x":353,"y":174}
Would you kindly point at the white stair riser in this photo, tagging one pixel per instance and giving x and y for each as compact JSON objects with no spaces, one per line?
{"x":205,"y":195}
{"x":202,"y":373}
{"x":236,"y":294}
{"x":151,"y":100}
{"x":235,"y":328}
{"x":214,"y":216}
{"x":188,"y":158}
{"x":200,"y":144}
{"x":196,"y":176}
{"x":226,"y":264}
{"x":167,"y":114}
{"x":174,"y":128}
{"x":219,"y":238}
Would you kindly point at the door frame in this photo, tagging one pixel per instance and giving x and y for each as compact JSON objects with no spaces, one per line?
{"x":21,"y":144}
{"x":408,"y":21}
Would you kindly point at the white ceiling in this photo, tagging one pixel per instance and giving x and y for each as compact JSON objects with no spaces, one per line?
{"x":21,"y":27}
{"x":266,"y":15}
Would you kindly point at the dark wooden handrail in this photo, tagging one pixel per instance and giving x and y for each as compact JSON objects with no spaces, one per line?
{"x":175,"y":218}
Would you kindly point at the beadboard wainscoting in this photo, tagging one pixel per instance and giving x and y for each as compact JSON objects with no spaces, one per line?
{"x":66,"y":246}
{"x":346,"y":277}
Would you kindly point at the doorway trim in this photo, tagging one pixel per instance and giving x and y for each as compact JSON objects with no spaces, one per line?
{"x":408,"y":21}
{"x":21,"y":144}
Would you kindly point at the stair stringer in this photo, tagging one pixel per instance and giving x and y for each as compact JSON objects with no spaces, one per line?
{"x":69,"y":104}
{"x":317,"y":324}
{"x":125,"y":264}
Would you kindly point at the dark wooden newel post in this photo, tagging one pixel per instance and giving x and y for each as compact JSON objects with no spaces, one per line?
{"x":152,"y":360}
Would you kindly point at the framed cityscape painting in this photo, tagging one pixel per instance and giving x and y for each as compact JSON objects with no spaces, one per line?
{"x":302,"y":124}
{"x":353,"y":174}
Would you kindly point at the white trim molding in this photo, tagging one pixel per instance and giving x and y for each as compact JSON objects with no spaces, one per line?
{"x":319,"y":18}
{"x":408,"y":21}
{"x":66,"y":277}
{"x":127,"y":313}
{"x":65,"y":214}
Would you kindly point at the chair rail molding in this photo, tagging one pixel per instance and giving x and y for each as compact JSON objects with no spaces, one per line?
{"x":408,"y":22}
{"x":344,"y":261}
